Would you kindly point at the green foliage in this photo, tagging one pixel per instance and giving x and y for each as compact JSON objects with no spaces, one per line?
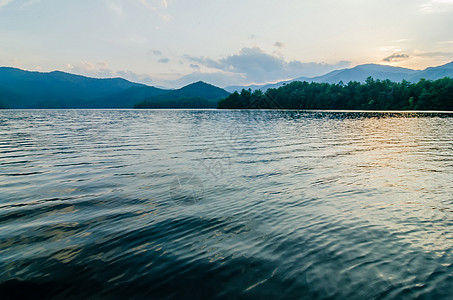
{"x":195,"y":95}
{"x":127,"y":98}
{"x":371,"y":95}
{"x":178,"y":103}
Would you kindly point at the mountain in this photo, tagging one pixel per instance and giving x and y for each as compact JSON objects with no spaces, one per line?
{"x":362,"y":72}
{"x":126,"y":98}
{"x":25,"y":89}
{"x":197,"y":89}
{"x":433,"y":73}
{"x":195,"y":95}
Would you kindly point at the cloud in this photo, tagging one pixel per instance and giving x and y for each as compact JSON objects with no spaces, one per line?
{"x":155,"y":52}
{"x":29,"y":3}
{"x":256,"y":66}
{"x":436,"y":6}
{"x":279,"y":45}
{"x":147,"y":5}
{"x":157,"y":6}
{"x":195,"y":66}
{"x":396,"y":57}
{"x":210,"y":63}
{"x":4,"y":2}
{"x":433,"y":54}
{"x":102,"y":70}
{"x":158,"y":53}
{"x":116,"y":8}
{"x":134,"y":77}
{"x":154,"y":4}
{"x":253,"y":61}
{"x":166,"y":18}
{"x":164,"y":60}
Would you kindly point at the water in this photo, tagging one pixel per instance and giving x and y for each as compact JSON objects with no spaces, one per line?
{"x":227,"y":204}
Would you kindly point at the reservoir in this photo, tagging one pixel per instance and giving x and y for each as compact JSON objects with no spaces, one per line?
{"x":228,"y":204}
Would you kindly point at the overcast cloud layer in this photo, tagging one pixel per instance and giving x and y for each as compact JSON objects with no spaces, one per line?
{"x":174,"y":42}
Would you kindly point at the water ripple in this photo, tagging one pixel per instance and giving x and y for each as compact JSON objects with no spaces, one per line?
{"x":226,"y":204}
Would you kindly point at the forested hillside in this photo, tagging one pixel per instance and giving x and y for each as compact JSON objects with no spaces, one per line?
{"x":371,"y":95}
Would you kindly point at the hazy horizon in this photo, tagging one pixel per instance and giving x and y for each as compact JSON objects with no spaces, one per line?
{"x":196,"y":80}
{"x":173,"y":43}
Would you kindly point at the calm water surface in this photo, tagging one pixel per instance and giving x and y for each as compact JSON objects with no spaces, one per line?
{"x":227,"y":204}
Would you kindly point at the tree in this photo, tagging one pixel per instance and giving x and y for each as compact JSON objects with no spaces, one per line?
{"x":371,"y":95}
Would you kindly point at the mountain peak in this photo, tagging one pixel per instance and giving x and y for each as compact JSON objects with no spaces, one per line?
{"x":198,"y":83}
{"x":383,"y":68}
{"x":367,"y":65}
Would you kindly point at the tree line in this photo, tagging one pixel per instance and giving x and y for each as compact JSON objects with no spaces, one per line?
{"x":193,"y":102}
{"x":371,"y":95}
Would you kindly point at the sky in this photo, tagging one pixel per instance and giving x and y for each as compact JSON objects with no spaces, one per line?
{"x":170,"y":43}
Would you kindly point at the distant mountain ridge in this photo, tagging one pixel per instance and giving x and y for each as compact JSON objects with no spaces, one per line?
{"x":196,"y":95}
{"x":361,"y":72}
{"x":26,"y":89}
{"x":196,"y":89}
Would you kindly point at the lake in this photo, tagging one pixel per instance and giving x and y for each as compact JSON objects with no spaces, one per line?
{"x":227,"y":204}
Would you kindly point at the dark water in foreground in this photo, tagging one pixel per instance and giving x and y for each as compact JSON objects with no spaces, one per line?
{"x":228,"y":204}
